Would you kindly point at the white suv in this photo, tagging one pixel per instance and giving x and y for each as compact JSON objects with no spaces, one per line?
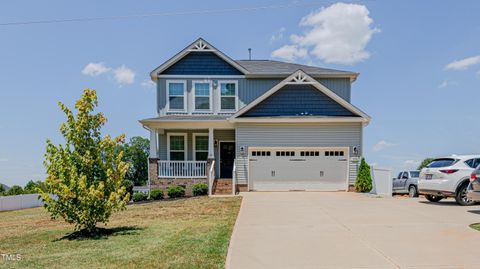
{"x":448,"y":177}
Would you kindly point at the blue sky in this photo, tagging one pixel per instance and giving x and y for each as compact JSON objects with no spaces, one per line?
{"x":421,"y":106}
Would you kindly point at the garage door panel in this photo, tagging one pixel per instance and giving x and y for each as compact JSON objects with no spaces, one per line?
{"x":298,"y":169}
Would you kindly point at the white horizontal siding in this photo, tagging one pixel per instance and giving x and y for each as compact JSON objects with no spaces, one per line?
{"x":298,"y":135}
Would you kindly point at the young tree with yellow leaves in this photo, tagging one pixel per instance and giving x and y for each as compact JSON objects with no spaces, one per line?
{"x":84,"y":182}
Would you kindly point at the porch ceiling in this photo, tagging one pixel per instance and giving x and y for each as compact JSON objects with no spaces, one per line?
{"x":188,"y":122}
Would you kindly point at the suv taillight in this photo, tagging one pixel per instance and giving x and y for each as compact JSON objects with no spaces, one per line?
{"x":449,"y":171}
{"x":473,"y":177}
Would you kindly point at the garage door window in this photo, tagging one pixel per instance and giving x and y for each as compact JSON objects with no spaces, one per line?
{"x":310,"y":153}
{"x":285,"y":153}
{"x":334,"y":153}
{"x":260,"y":153}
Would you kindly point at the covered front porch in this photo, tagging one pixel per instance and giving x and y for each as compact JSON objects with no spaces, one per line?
{"x":189,"y":153}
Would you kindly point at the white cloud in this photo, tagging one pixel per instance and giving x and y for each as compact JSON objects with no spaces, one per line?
{"x":463,"y":63}
{"x":337,"y":34}
{"x":278,"y":35}
{"x":290,"y":52}
{"x":148,"y":84}
{"x":381,"y":145}
{"x":95,"y":69}
{"x":123,"y":75}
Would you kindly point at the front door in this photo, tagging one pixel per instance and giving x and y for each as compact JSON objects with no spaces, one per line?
{"x":227,"y":157}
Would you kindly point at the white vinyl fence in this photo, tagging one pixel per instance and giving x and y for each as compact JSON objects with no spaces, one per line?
{"x":381,"y":181}
{"x":15,"y":202}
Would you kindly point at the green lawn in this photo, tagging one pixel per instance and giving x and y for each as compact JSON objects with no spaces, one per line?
{"x":188,"y":233}
{"x":475,"y":226}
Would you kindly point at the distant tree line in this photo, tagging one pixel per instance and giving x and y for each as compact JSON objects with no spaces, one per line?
{"x":31,"y":187}
{"x":135,"y":152}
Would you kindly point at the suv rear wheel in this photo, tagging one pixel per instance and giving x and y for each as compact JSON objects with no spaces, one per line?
{"x":433,"y":198}
{"x":461,"y":196}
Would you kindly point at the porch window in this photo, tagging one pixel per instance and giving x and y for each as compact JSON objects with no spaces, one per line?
{"x":200,"y":147}
{"x":176,"y":95}
{"x":202,"y":95}
{"x":228,"y":95}
{"x":177,"y":147}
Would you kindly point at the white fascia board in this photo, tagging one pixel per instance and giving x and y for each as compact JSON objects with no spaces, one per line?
{"x":202,"y":76}
{"x":299,"y":120}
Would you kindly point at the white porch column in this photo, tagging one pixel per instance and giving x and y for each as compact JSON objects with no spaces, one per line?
{"x":211,"y":155}
{"x":153,"y":144}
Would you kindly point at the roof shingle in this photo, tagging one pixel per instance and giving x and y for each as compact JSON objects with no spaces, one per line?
{"x":270,"y":67}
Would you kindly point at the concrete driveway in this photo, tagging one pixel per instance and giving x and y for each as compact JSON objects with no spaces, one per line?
{"x":348,"y":230}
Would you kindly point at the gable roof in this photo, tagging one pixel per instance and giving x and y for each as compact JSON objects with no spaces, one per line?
{"x":269,"y":68}
{"x":199,"y":45}
{"x":253,"y":68}
{"x":300,"y":77}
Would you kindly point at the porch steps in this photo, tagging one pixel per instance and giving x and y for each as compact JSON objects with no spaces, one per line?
{"x":222,"y":186}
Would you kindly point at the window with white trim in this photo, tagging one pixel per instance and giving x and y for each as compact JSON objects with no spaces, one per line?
{"x":176,"y":95}
{"x":177,"y":146}
{"x":202,"y":91}
{"x":228,"y":95}
{"x":200,"y":147}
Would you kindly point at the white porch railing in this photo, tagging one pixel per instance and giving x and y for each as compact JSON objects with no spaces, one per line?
{"x":211,"y":177}
{"x":182,"y":169}
{"x":234,"y":176}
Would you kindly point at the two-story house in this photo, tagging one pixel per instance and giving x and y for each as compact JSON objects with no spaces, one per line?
{"x":252,"y":124}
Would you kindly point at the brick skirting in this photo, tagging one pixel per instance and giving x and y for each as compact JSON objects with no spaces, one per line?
{"x":187,"y":183}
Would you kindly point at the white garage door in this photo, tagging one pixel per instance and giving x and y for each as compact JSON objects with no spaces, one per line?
{"x":283,"y":169}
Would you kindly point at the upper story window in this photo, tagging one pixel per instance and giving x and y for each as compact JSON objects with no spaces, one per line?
{"x":228,"y":95}
{"x":202,"y":91}
{"x":176,"y":95}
